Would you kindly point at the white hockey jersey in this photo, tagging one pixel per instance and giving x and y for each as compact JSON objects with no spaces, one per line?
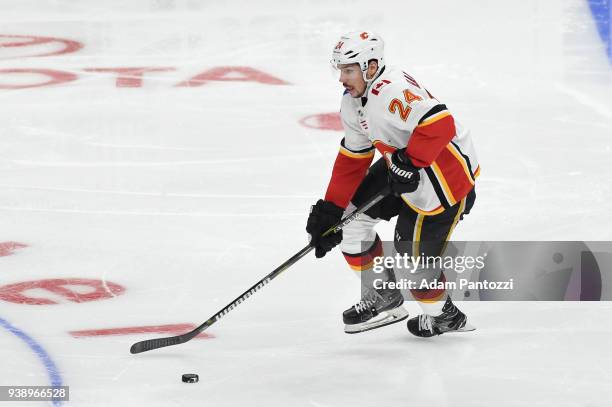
{"x":398,"y":112}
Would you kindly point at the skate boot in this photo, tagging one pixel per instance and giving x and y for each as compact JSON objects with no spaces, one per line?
{"x":376,"y":309}
{"x":451,"y":320}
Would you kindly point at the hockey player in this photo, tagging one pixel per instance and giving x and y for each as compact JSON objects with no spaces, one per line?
{"x":428,"y":162}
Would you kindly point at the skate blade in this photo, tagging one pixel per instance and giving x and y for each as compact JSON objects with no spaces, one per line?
{"x":383,"y":319}
{"x":466,"y":328}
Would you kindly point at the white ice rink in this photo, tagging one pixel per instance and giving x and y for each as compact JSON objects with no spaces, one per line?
{"x":153,"y":198}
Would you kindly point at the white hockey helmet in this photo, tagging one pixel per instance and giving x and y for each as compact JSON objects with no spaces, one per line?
{"x":359,"y":47}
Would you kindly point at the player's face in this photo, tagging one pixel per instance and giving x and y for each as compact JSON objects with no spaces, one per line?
{"x":352,"y":79}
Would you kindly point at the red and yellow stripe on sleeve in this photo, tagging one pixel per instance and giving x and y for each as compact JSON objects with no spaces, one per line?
{"x":349,"y":170}
{"x":430,"y":146}
{"x":435,"y":130}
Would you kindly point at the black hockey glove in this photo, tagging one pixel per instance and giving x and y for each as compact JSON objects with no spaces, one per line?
{"x":403,"y":175}
{"x":323,"y":215}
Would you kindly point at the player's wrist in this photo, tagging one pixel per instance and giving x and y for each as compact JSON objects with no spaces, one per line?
{"x":401,"y":158}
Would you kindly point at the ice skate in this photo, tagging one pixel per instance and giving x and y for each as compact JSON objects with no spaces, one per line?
{"x":376,"y":309}
{"x":451,"y":320}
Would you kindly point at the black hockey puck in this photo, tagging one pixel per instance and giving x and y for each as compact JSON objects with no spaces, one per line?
{"x":190,"y":378}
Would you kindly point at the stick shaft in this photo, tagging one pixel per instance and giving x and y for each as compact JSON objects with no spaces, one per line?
{"x":151,"y":344}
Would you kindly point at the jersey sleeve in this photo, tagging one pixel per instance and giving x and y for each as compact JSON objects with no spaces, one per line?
{"x":353,"y":159}
{"x":427,"y":123}
{"x":432,"y":134}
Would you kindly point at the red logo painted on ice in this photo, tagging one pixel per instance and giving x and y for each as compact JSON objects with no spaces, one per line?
{"x":129,"y":77}
{"x":233,"y":74}
{"x":171,"y":329}
{"x":7,"y":248}
{"x":132,"y":77}
{"x":11,"y":46}
{"x":64,"y":287}
{"x":49,"y":77}
{"x":323,"y":121}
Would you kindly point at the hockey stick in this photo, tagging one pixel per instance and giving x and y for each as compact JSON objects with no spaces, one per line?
{"x":151,"y":344}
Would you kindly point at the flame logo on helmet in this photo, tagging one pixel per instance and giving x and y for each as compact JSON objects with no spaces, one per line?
{"x":364,"y":35}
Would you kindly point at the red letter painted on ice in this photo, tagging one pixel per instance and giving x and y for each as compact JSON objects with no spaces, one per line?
{"x":64,"y":287}
{"x":41,"y":46}
{"x":233,"y":74}
{"x":172,"y":329}
{"x":52,"y":77}
{"x":130,"y":77}
{"x":323,"y":121}
{"x":7,"y":248}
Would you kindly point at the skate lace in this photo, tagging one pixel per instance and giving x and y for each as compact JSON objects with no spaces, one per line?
{"x":425,"y":322}
{"x":364,"y":305}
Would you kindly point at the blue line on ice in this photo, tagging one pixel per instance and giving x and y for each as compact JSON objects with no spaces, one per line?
{"x":602,"y":14}
{"x":52,"y":370}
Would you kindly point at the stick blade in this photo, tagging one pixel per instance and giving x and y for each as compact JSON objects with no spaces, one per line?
{"x":150,"y":344}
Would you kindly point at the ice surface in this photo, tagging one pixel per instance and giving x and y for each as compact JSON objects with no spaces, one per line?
{"x":185,"y":196}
